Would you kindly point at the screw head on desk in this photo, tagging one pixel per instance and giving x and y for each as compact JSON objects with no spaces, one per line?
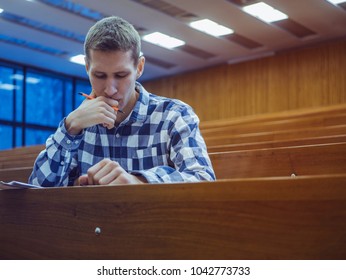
{"x":97,"y":231}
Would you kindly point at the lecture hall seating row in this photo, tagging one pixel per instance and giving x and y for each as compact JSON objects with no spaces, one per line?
{"x":298,"y":114}
{"x":316,"y":159}
{"x":271,"y":149}
{"x":280,"y":194}
{"x":271,"y":126}
{"x":300,"y":218}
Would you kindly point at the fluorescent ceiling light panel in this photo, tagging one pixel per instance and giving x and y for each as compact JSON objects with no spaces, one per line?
{"x":79,"y":59}
{"x":264,"y":12}
{"x":1,"y":10}
{"x":163,"y":40}
{"x":210,"y":27}
{"x":336,"y":1}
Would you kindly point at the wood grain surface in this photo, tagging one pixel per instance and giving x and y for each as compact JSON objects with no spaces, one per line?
{"x":272,"y":218}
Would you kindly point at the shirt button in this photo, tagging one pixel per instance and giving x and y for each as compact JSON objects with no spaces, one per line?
{"x":117,"y":135}
{"x":68,"y":142}
{"x":62,"y":163}
{"x":76,"y":142}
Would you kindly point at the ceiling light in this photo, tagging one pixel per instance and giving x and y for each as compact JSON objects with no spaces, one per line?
{"x":79,"y":59}
{"x":163,"y":40}
{"x":210,"y":27}
{"x":264,"y":12}
{"x":336,"y":1}
{"x":1,"y":10}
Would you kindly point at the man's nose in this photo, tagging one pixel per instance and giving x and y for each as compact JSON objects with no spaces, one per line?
{"x":111,"y":87}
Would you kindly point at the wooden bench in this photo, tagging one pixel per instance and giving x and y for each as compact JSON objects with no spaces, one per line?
{"x":15,"y":174}
{"x":310,"y":123}
{"x":22,"y":150}
{"x":246,"y":135}
{"x":316,"y":159}
{"x":277,"y":125}
{"x":304,"y":113}
{"x":276,"y":135}
{"x":20,"y":157}
{"x":278,"y":144}
{"x":299,"y":218}
{"x":284,"y":161}
{"x":27,"y":159}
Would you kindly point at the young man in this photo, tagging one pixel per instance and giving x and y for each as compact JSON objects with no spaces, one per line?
{"x":153,"y":140}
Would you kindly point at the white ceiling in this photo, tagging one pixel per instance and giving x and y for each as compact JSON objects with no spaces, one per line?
{"x":325,"y":20}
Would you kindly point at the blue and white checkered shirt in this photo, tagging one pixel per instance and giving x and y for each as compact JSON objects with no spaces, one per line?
{"x":159,"y":140}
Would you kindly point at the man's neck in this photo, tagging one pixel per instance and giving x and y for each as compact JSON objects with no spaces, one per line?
{"x":128,"y":109}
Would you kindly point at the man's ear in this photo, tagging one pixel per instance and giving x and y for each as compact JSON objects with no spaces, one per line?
{"x":140,"y":66}
{"x":86,"y":65}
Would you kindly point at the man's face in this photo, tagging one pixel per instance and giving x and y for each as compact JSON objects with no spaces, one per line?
{"x":113,"y":74}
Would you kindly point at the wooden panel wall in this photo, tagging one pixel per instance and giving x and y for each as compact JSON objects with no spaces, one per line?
{"x":310,"y":77}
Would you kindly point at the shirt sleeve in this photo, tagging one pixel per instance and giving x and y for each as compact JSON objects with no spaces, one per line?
{"x":187,"y":151}
{"x":56,"y":164}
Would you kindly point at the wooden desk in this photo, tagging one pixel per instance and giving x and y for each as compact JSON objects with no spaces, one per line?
{"x":283,"y":135}
{"x":21,"y":174}
{"x":298,"y":160}
{"x":268,"y":218}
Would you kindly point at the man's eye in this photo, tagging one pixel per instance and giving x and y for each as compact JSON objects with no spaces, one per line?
{"x":99,"y":76}
{"x":120,"y":76}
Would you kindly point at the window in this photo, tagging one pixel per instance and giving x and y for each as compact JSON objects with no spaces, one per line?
{"x":37,"y":136}
{"x":11,"y":93}
{"x":6,"y":136}
{"x":81,"y":86}
{"x":33,"y":102}
{"x":44,"y":99}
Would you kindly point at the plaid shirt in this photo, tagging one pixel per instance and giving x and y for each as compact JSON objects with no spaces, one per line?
{"x":159,"y":140}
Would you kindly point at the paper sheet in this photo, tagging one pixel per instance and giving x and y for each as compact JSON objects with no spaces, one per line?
{"x":18,"y":185}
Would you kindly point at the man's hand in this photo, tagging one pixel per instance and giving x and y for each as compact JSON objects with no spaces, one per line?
{"x":108,"y":172}
{"x":92,"y":112}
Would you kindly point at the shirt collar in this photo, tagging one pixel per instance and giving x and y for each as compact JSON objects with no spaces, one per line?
{"x":140,"y":111}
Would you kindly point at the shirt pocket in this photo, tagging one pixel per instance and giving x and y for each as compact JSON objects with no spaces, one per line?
{"x":148,"y":158}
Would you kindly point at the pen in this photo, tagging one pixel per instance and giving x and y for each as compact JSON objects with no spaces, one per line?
{"x":90,"y":98}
